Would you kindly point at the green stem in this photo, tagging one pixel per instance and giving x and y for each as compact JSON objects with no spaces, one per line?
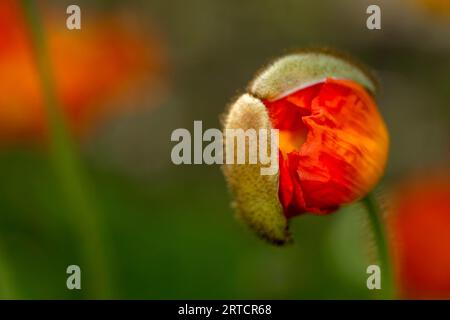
{"x":82,"y":214}
{"x":377,"y":225}
{"x":7,"y":290}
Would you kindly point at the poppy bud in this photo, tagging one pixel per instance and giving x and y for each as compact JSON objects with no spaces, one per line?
{"x":333,"y":143}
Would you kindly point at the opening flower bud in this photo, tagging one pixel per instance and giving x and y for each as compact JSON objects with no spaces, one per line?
{"x":333,"y":143}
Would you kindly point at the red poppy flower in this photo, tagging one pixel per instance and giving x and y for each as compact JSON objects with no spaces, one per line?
{"x":332,"y":141}
{"x":419,"y":223}
{"x":93,"y":67}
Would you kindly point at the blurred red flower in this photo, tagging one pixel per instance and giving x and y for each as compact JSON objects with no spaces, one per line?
{"x":420,"y":227}
{"x":92,"y":67}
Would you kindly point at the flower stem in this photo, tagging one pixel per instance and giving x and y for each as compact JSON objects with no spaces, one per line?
{"x":82,"y":214}
{"x":377,"y":225}
{"x":7,"y":289}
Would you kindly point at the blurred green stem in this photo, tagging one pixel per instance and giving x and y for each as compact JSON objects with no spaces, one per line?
{"x":7,"y":290}
{"x":377,"y":225}
{"x":82,"y":214}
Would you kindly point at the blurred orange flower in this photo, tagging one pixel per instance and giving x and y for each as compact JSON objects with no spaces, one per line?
{"x":420,"y":227}
{"x":438,"y":7}
{"x":92,"y":68}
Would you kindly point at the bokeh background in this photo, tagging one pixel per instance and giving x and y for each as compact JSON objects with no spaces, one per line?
{"x":136,"y":71}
